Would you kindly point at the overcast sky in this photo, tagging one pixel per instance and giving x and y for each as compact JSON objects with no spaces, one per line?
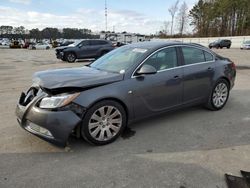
{"x":138,"y":16}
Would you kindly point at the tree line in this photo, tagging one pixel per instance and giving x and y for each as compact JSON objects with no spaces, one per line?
{"x":46,"y":33}
{"x":221,"y":18}
{"x":207,"y":18}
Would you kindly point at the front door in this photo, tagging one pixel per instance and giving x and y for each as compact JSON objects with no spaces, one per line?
{"x":160,"y":91}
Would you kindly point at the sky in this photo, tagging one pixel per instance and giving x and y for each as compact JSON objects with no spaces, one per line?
{"x":137,"y":16}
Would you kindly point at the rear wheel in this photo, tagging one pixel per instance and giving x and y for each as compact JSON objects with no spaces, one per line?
{"x":71,"y":57}
{"x":219,"y":95}
{"x":104,"y":122}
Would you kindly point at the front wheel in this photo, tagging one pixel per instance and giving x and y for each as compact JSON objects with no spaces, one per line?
{"x":219,"y":95}
{"x":103,"y":123}
{"x":71,"y":57}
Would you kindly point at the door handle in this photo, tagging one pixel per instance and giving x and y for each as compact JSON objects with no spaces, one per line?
{"x":176,"y":77}
{"x":210,"y":69}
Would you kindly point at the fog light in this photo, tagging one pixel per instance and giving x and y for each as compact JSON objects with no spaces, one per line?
{"x":37,"y":129}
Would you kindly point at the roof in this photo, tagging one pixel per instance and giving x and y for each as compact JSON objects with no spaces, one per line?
{"x":160,"y":44}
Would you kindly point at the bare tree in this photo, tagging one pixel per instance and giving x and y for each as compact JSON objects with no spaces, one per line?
{"x":172,"y":10}
{"x":166,"y":27}
{"x":182,"y":18}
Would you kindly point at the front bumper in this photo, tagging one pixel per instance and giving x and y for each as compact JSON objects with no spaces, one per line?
{"x":245,"y":47}
{"x":59,"y":124}
{"x":59,"y":54}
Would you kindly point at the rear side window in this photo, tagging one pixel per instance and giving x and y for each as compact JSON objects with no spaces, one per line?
{"x":95,"y":42}
{"x":193,"y":55}
{"x":98,"y":42}
{"x":103,"y":42}
{"x":208,"y":56}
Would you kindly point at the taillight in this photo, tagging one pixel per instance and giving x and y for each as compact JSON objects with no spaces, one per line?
{"x":233,"y":65}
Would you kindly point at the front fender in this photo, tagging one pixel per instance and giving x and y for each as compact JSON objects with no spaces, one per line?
{"x":117,"y":91}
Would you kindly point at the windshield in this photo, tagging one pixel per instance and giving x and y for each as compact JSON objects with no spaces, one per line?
{"x":119,"y":60}
{"x":75,"y":43}
{"x":247,"y":42}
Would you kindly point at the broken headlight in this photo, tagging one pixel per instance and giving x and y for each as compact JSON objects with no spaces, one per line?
{"x":57,"y":101}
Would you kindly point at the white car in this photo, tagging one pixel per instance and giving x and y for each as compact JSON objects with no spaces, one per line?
{"x":5,"y":43}
{"x":40,"y":46}
{"x":245,"y":45}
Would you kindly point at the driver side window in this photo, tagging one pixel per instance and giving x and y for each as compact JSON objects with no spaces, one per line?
{"x":84,"y":43}
{"x":164,"y":59}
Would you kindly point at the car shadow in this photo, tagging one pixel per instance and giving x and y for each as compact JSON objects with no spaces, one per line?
{"x":193,"y":128}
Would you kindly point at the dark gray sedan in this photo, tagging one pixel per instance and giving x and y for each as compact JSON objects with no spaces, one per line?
{"x":133,"y":82}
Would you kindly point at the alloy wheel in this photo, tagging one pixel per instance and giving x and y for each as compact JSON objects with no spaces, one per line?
{"x":71,"y":57}
{"x":105,"y":123}
{"x":220,"y":95}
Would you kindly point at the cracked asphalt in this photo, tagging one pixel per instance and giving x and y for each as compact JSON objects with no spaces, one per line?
{"x":189,"y":148}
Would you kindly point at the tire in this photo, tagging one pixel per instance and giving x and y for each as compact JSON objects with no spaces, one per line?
{"x":218,"y":96}
{"x":47,"y":48}
{"x":228,"y":47}
{"x":98,"y":129}
{"x":71,"y":57}
{"x":217,"y":47}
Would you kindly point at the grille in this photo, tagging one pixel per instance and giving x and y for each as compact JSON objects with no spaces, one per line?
{"x":30,"y":95}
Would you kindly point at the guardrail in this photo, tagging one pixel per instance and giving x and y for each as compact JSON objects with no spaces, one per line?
{"x":236,"y":41}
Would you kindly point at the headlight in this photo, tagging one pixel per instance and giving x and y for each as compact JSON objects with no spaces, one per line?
{"x":57,"y":101}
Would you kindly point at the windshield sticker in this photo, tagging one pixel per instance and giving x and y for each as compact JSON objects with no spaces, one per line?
{"x":140,"y":50}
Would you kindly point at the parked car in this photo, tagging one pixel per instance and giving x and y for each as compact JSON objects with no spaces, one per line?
{"x":130,"y":83}
{"x":5,"y":43}
{"x":40,"y":46}
{"x":27,"y":44}
{"x":221,"y":44}
{"x":83,"y":50}
{"x":15,"y":44}
{"x":245,"y":45}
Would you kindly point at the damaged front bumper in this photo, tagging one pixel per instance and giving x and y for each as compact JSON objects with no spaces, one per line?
{"x":59,"y":55}
{"x":52,"y":126}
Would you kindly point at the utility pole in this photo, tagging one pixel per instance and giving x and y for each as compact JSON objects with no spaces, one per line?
{"x":106,"y":20}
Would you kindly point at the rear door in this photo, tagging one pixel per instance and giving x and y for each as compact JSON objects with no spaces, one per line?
{"x":95,"y":47}
{"x":198,"y":72}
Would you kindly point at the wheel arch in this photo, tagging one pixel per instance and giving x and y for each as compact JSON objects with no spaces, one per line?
{"x":68,"y":52}
{"x":116,"y":100}
{"x":226,"y":79}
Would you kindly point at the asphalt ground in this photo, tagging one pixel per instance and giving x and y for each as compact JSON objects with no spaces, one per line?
{"x":192,"y":147}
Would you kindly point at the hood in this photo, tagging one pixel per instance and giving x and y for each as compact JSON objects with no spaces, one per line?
{"x":82,"y":78}
{"x":60,"y":48}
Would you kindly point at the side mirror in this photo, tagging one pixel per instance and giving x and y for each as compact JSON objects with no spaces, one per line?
{"x":146,"y":69}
